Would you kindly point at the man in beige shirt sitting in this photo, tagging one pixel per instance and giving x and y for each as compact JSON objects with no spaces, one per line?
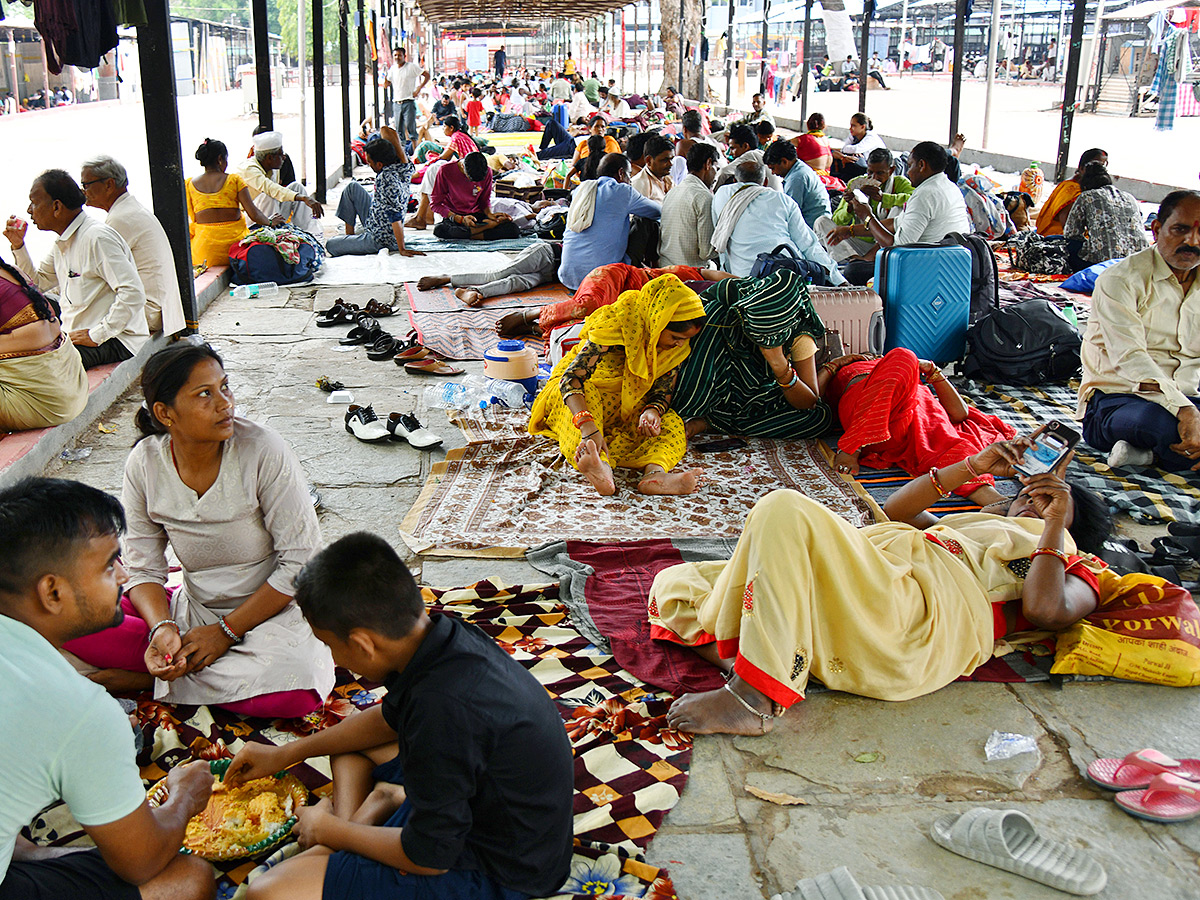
{"x":654,"y":180}
{"x":1140,"y":396}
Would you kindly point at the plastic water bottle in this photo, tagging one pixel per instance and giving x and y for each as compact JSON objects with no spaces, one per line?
{"x":450,"y":395}
{"x":264,"y":291}
{"x":509,"y":393}
{"x":1070,"y":314}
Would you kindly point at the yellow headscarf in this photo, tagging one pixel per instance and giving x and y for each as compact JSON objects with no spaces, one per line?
{"x":635,"y":322}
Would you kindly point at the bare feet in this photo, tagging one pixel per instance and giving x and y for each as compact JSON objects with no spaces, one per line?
{"x":415,"y":223}
{"x":431,"y":282}
{"x":671,"y":482}
{"x":694,"y":427}
{"x":594,"y":469}
{"x":719,"y":712}
{"x":121,"y":680}
{"x":469,"y":296}
{"x":515,"y":324}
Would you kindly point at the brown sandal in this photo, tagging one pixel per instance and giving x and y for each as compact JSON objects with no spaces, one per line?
{"x":379,"y":310}
{"x":432,"y":366}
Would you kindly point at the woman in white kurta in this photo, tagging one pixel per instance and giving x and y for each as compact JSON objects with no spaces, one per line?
{"x":230,"y":499}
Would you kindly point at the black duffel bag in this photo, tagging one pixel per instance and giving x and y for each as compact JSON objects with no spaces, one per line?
{"x":1024,"y":344}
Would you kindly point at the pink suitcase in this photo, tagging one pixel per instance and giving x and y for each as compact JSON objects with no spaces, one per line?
{"x":855,"y":313}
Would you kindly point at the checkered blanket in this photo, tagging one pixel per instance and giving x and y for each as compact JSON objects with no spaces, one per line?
{"x":629,"y":766}
{"x":1148,"y":495}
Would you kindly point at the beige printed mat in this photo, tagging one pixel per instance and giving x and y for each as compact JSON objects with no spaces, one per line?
{"x":508,"y":490}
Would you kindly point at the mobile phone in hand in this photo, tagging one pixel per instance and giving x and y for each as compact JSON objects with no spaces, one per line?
{"x":1056,"y":441}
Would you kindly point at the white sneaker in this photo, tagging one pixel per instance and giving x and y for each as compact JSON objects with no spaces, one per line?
{"x":1124,"y":454}
{"x":362,"y":422}
{"x":405,"y":427}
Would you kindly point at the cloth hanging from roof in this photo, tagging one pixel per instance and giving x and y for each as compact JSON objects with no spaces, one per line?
{"x":130,"y":12}
{"x":1164,"y":83}
{"x":76,"y":32}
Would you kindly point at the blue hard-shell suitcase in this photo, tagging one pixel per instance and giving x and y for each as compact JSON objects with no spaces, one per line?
{"x":926,"y":293}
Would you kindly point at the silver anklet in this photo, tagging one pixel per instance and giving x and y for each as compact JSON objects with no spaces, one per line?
{"x":763,"y":717}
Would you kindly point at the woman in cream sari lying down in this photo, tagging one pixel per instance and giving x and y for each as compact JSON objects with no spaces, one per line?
{"x":890,"y":611}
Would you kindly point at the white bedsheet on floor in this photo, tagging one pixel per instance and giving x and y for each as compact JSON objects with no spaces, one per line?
{"x":395,"y":269}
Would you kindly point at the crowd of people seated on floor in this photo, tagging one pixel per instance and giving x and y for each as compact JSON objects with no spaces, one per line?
{"x":679,"y":337}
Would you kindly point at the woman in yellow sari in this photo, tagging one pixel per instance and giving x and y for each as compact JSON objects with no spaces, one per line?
{"x":608,"y":401}
{"x":890,"y":611}
{"x":1052,"y":217}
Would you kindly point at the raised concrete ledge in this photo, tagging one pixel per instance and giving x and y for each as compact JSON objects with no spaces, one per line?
{"x":1148,"y":191}
{"x":50,"y":442}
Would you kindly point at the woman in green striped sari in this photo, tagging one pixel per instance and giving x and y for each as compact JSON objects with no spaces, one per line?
{"x":752,"y":369}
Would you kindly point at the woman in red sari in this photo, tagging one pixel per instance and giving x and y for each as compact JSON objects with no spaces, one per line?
{"x":892,"y":419}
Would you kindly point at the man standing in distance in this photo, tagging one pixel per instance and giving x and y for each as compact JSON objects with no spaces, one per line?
{"x":407,"y":79}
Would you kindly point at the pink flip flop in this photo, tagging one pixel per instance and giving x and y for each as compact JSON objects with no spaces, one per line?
{"x":1168,"y":799}
{"x":1138,"y":769}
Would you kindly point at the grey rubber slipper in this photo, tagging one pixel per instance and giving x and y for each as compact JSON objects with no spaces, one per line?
{"x":841,"y":885}
{"x":1008,"y":840}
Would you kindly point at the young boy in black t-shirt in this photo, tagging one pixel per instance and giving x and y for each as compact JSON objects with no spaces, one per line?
{"x":459,"y":784}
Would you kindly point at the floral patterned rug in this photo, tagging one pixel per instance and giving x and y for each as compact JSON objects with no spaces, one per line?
{"x":629,"y":766}
{"x":509,"y":489}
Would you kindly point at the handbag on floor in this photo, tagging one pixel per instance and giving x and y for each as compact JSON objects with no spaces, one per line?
{"x":1040,"y":254}
{"x":785,"y":257}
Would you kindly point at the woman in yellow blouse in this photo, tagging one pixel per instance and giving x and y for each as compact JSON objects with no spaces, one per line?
{"x":215,"y":202}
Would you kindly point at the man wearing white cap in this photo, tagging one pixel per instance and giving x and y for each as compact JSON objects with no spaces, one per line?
{"x":272,"y":198}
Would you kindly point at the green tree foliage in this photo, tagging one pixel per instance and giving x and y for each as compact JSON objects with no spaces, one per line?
{"x":235,"y":11}
{"x":287,"y":27}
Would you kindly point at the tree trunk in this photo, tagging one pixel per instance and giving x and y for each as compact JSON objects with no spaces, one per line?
{"x":689,"y":13}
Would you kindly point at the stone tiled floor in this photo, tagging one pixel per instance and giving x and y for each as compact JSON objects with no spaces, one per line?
{"x":721,"y":842}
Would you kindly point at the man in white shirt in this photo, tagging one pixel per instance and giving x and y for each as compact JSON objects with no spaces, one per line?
{"x":614,"y":105}
{"x":580,"y":110}
{"x":935,"y":209}
{"x":687,"y":224}
{"x":273,"y":199}
{"x":91,"y":269}
{"x":105,"y":186}
{"x":407,"y":80}
{"x":61,"y":578}
{"x":1139,"y":397}
{"x":758,"y":220}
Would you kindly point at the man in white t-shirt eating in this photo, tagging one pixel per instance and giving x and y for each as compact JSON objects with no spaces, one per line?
{"x":407,"y":79}
{"x":935,"y":209}
{"x":64,"y":738}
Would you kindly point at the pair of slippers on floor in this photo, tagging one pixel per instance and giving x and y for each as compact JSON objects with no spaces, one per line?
{"x":1151,"y":785}
{"x":1180,"y":547}
{"x":1003,"y":838}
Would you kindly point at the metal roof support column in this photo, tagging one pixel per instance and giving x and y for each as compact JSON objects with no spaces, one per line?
{"x":262,"y":62}
{"x":993,"y":40}
{"x":864,"y":43}
{"x":1069,"y":89}
{"x":318,"y":39}
{"x":375,"y":70}
{"x":344,"y":52}
{"x":729,"y":55}
{"x":960,"y":29}
{"x":160,"y":105}
{"x":762,"y":67}
{"x":806,"y":61}
{"x":362,"y":64}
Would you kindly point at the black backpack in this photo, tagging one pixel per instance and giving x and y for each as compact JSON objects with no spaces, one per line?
{"x":1024,"y":344}
{"x":985,"y":278}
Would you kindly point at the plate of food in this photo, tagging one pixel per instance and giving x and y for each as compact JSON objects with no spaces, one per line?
{"x":242,"y":822}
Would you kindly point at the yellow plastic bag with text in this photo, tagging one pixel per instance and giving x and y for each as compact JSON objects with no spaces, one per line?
{"x":1143,"y":629}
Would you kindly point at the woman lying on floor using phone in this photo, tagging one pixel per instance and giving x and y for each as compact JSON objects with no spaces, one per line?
{"x":891,"y":611}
